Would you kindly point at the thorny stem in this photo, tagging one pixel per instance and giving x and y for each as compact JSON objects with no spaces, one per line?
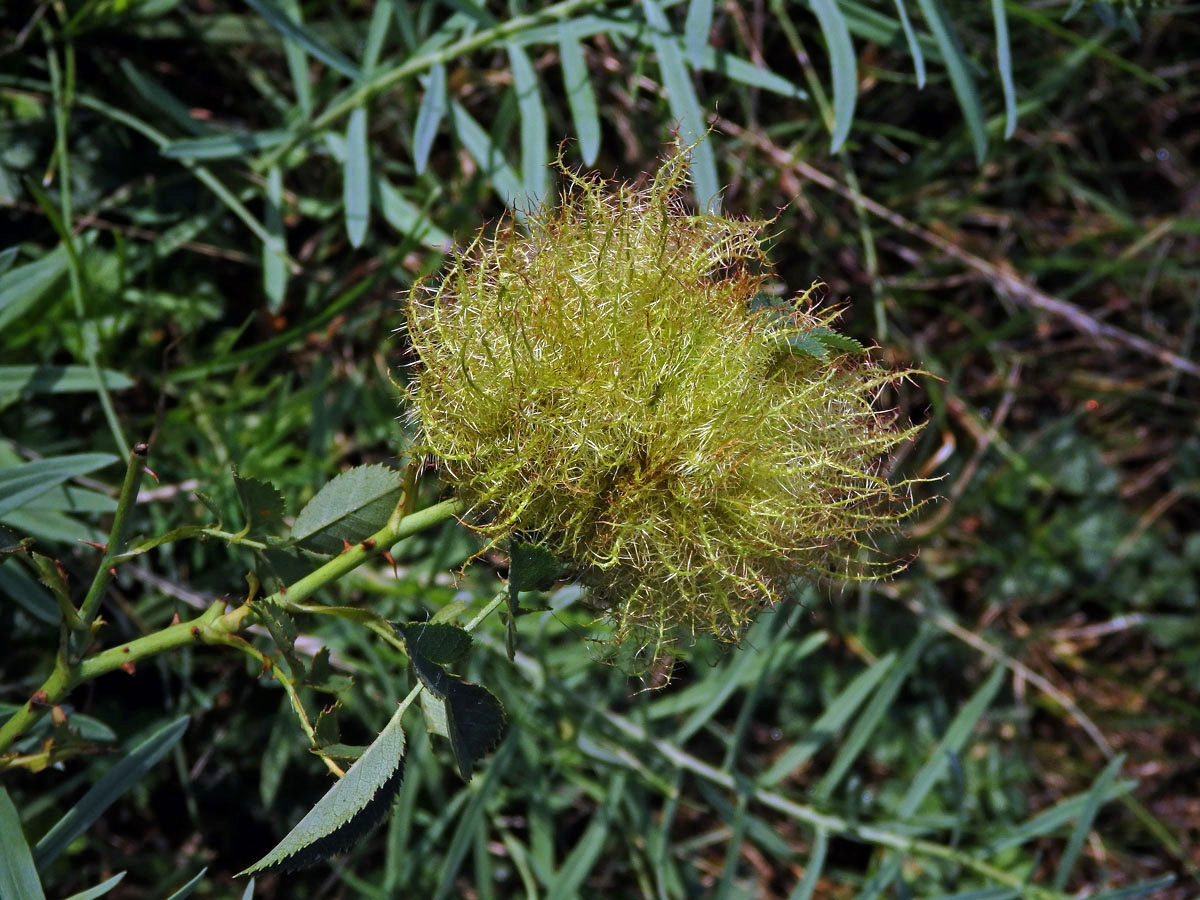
{"x":214,"y":625}
{"x":134,"y":472}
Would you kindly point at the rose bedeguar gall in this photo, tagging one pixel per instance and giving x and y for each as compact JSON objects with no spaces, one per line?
{"x":607,"y":381}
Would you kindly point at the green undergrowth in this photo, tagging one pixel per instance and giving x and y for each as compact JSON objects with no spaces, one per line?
{"x":211,"y":216}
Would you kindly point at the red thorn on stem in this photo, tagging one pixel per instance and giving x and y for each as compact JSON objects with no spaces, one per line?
{"x":387,"y":554}
{"x":100,"y":547}
{"x":129,"y":667}
{"x":150,"y":472}
{"x":346,"y":545}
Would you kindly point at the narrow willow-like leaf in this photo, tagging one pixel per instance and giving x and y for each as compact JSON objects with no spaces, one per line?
{"x":813,"y":867}
{"x":429,"y":116}
{"x":685,"y":107}
{"x":407,"y":218}
{"x":1004,"y":63}
{"x":835,"y":716}
{"x":353,"y":506}
{"x":296,"y":31}
{"x":914,"y":46}
{"x":1138,"y":891}
{"x":297,"y":62}
{"x":26,"y":593}
{"x":8,"y":256}
{"x":99,"y":890}
{"x":1083,"y":825}
{"x":581,"y":97}
{"x":274,"y":251}
{"x":166,"y":102}
{"x":356,"y":178}
{"x":533,"y":126}
{"x":15,"y":380}
{"x":223,"y":146}
{"x":958,"y":67}
{"x":24,"y":482}
{"x":843,"y":68}
{"x":696,"y":27}
{"x":349,"y":809}
{"x":488,"y":155}
{"x":111,"y":787}
{"x":377,"y":30}
{"x":186,"y":891}
{"x":23,"y":286}
{"x":18,"y":875}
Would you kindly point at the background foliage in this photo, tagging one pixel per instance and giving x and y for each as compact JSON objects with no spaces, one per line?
{"x":210,"y":210}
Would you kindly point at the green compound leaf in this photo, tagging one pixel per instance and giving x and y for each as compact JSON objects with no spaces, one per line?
{"x":353,"y":506}
{"x":818,"y":342}
{"x":353,"y":806}
{"x":439,"y":644}
{"x":468,"y":715}
{"x":532,"y":568}
{"x":261,"y":502}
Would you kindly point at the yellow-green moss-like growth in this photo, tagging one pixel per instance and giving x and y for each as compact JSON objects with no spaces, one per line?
{"x":606,"y":383}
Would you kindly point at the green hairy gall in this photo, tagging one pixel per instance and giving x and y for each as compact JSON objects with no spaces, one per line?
{"x":607,"y":382}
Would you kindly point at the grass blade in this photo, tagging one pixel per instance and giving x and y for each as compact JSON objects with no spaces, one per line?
{"x":953,"y":741}
{"x":1004,"y":63}
{"x":816,"y":862}
{"x":844,"y":706}
{"x":843,"y":68}
{"x":872,"y":716}
{"x":186,"y":891}
{"x":429,"y":116}
{"x":696,"y":27}
{"x":1092,"y":802}
{"x":958,"y":67}
{"x":22,"y":287}
{"x":356,"y":178}
{"x":116,"y":781}
{"x":585,"y":853}
{"x":99,"y":890}
{"x":914,"y":46}
{"x":274,"y":252}
{"x":580,"y":97}
{"x":295,"y":31}
{"x":685,"y":107}
{"x":533,"y":126}
{"x":18,"y":875}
